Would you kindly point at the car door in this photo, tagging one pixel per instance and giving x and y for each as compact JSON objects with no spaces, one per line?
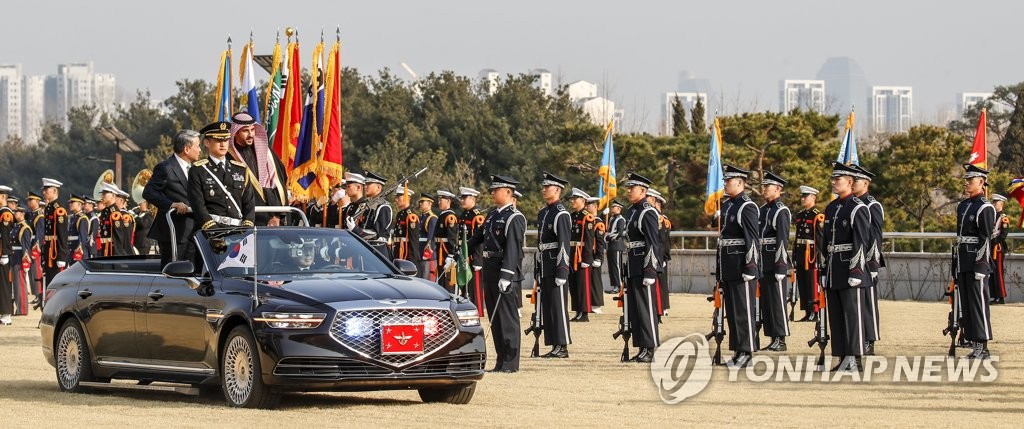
{"x":177,"y":331}
{"x":108,"y":306}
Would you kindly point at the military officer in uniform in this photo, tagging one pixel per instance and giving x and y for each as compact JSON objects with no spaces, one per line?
{"x":643,"y":248}
{"x":582,"y":246}
{"x":94,"y":229}
{"x":739,"y":265}
{"x":600,"y":249}
{"x":428,"y":225}
{"x":614,"y":237}
{"x":502,"y":237}
{"x":22,"y":262}
{"x":37,"y":220}
{"x":446,"y":239}
{"x":471,"y":219}
{"x":407,"y":228}
{"x":552,"y":265}
{"x":376,"y":228}
{"x":78,"y":230}
{"x":876,"y":260}
{"x":805,"y":251}
{"x":773,"y":222}
{"x":87,"y":242}
{"x":13,"y":202}
{"x":124,"y":226}
{"x":55,"y":238}
{"x":656,"y":200}
{"x":975,"y":221}
{"x":105,"y":238}
{"x":848,"y":237}
{"x":997,"y":285}
{"x":353,"y":214}
{"x":219,"y":190}
{"x":7,"y":261}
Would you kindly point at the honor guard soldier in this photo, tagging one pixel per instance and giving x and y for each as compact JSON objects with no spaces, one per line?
{"x":55,"y":238}
{"x":446,"y":239}
{"x":847,"y":232}
{"x":124,"y":226}
{"x":106,"y":223}
{"x":353,"y":214}
{"x":975,"y":221}
{"x":94,"y":229}
{"x":582,"y":245}
{"x":7,"y":261}
{"x":13,"y":202}
{"x":876,"y":260}
{"x":614,"y":237}
{"x":471,"y":219}
{"x":37,"y":220}
{"x":78,"y":230}
{"x":428,"y":224}
{"x":656,"y":200}
{"x":407,"y":228}
{"x":805,"y":251}
{"x":773,"y":221}
{"x":600,"y":248}
{"x":92,"y":215}
{"x":376,"y":228}
{"x":502,"y":237}
{"x":739,"y":265}
{"x":552,"y":265}
{"x":22,"y":262}
{"x":997,"y":285}
{"x":219,"y":190}
{"x":643,"y":260}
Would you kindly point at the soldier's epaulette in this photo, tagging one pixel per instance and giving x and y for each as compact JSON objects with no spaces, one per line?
{"x":745,"y":198}
{"x":779,"y":204}
{"x":857,"y":200}
{"x":646,"y":205}
{"x":985,"y":200}
{"x":560,"y":207}
{"x":239,"y":163}
{"x":871,"y":199}
{"x":201,"y":163}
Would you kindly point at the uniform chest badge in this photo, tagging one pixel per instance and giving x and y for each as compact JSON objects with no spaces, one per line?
{"x":970,"y":217}
{"x":732,"y":218}
{"x":212,"y":193}
{"x":237,"y":177}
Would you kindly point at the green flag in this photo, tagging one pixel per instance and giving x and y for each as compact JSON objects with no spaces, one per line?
{"x":463,"y":273}
{"x":274,"y":105}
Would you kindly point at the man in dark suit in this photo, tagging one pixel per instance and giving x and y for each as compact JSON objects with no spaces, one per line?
{"x":168,"y":191}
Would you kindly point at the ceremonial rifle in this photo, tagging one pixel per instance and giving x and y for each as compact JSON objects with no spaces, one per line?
{"x":953,"y":319}
{"x":535,"y":321}
{"x":820,"y":309}
{"x":624,"y":329}
{"x":792,"y":294}
{"x":717,"y":323}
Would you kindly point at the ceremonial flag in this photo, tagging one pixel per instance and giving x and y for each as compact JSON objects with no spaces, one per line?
{"x":606,"y":189}
{"x":303,"y":179}
{"x":224,"y":85}
{"x":716,"y":184}
{"x":979,"y":153}
{"x":242,"y":254}
{"x":331,"y":155}
{"x":272,"y":97}
{"x":290,"y":116}
{"x":463,"y":273}
{"x":247,"y":77}
{"x":1016,"y":191}
{"x":848,"y":149}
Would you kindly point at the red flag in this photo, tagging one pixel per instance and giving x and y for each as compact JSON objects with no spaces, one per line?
{"x":979,"y":154}
{"x":331,"y":156}
{"x":406,"y":339}
{"x":290,"y":112}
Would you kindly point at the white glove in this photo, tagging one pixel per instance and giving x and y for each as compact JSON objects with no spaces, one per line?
{"x":323,"y":253}
{"x":448,"y":262}
{"x":584,"y":265}
{"x":476,"y":268}
{"x":559,"y":282}
{"x":648,"y":282}
{"x":747,"y":277}
{"x":4,"y":260}
{"x":873,"y":275}
{"x":597,"y":263}
{"x":61,"y":264}
{"x":979,"y":276}
{"x":853,"y":281}
{"x":503,"y":285}
{"x":779,"y":277}
{"x":350,"y":223}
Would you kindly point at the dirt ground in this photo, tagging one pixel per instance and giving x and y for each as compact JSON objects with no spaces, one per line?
{"x":591,"y":389}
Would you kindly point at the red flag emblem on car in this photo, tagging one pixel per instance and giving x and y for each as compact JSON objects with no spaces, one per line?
{"x":401,"y":339}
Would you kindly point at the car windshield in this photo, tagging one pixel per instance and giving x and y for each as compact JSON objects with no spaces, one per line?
{"x":292,"y":251}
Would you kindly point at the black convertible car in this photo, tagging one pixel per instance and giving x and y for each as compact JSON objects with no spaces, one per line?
{"x":267,"y":311}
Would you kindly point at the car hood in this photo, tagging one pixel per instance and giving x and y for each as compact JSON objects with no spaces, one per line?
{"x":332,"y":289}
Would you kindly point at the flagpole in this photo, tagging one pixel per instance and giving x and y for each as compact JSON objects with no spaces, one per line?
{"x":255,"y":271}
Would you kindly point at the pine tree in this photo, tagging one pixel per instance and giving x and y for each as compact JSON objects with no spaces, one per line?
{"x":1011,"y":155}
{"x":679,"y":125}
{"x":697,"y":117}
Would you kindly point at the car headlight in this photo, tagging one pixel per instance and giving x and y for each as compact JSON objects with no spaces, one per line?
{"x":358,"y":326}
{"x":468,"y":317}
{"x":292,"y":320}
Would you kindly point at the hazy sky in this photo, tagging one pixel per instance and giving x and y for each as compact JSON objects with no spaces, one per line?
{"x":635,"y":50}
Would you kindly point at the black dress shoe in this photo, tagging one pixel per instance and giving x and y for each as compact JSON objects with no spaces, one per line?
{"x":646,"y":355}
{"x":813,"y":317}
{"x":869,"y":348}
{"x":576,"y":317}
{"x":496,"y":369}
{"x":779,"y":345}
{"x":741,"y":360}
{"x":508,"y":371}
{"x":558,"y":352}
{"x":584,"y":317}
{"x":998,"y":301}
{"x":807,"y":317}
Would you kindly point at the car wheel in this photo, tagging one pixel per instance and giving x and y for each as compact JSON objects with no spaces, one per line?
{"x":73,"y":363}
{"x":241,"y":376}
{"x":451,"y":395}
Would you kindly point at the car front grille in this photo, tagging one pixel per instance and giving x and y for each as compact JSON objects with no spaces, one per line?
{"x":368,"y":341}
{"x":339,"y":368}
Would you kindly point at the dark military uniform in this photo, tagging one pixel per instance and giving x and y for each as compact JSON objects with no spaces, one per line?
{"x":975,"y":221}
{"x":738,"y":255}
{"x":665,"y":246}
{"x":211,"y":205}
{"x":20,"y":275}
{"x":78,"y":237}
{"x":93,"y":243}
{"x":616,"y":231}
{"x":552,"y":267}
{"x":106,"y":230}
{"x":502,"y":238}
{"x":773,"y":219}
{"x":469,"y":221}
{"x":37,"y":220}
{"x":407,"y":236}
{"x":7,"y":261}
{"x":600,"y":247}
{"x":123,"y":232}
{"x":805,"y":258}
{"x":875,"y":261}
{"x":55,"y":239}
{"x":582,"y":244}
{"x":376,"y":226}
{"x":446,"y":239}
{"x":349,"y":211}
{"x":997,"y":284}
{"x":428,"y":255}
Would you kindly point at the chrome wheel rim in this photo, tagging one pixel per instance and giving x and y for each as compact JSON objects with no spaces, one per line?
{"x":69,"y":358}
{"x":238,"y":370}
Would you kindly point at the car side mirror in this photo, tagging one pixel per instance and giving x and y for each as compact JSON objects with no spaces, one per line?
{"x":406,"y":267}
{"x":179,"y":269}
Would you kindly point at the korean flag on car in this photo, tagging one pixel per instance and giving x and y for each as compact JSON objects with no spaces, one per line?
{"x":242,"y":254}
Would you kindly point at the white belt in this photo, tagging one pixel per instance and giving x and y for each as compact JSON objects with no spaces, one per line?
{"x":575,"y":243}
{"x":635,"y":244}
{"x":770,"y":240}
{"x":72,"y":237}
{"x":226,"y":220}
{"x":441,"y":240}
{"x":966,"y":240}
{"x":401,"y":239}
{"x":832,"y":248}
{"x":804,"y":241}
{"x":724,"y":242}
{"x":17,"y":248}
{"x":547,"y":246}
{"x":424,"y":240}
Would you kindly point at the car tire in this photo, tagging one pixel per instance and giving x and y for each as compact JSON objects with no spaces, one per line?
{"x":451,"y":395}
{"x":241,"y":374}
{"x":74,"y":363}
